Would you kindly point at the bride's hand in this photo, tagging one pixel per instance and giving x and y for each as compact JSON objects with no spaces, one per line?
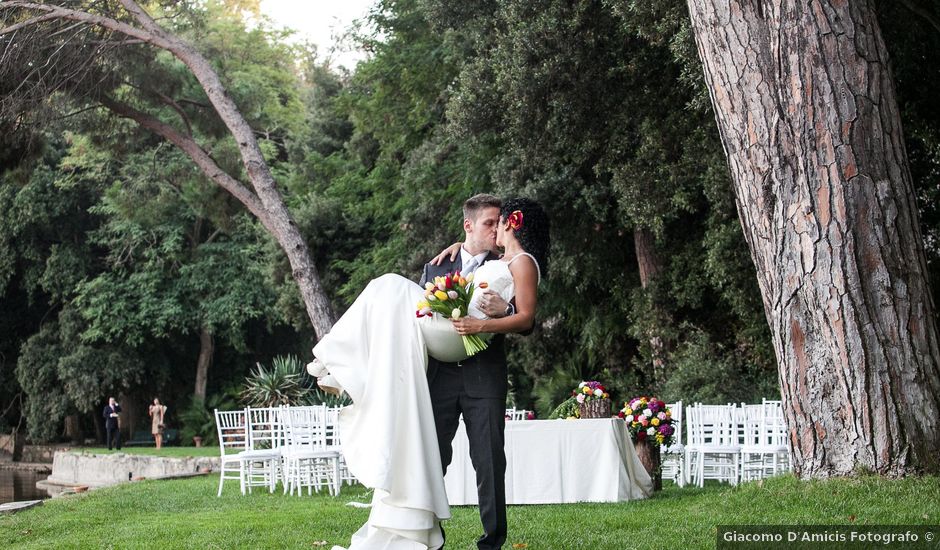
{"x":465,"y":326}
{"x":452,"y":251}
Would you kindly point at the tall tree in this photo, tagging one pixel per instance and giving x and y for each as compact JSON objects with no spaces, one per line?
{"x":52,"y":46}
{"x":806,"y":108}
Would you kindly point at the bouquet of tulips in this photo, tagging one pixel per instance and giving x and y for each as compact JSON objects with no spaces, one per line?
{"x":450,"y":297}
{"x":649,"y":419}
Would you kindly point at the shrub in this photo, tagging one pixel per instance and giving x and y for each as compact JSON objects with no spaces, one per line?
{"x":286,"y":383}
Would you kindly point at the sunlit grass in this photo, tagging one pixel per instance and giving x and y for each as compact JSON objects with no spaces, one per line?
{"x":186,"y":514}
{"x":152,"y":451}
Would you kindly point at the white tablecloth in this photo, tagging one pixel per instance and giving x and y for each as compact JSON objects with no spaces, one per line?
{"x":557,"y":461}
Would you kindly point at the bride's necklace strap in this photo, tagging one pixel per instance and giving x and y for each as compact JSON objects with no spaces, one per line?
{"x":536,"y":262}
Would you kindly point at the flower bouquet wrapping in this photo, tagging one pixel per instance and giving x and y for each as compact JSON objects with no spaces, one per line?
{"x":593,"y":400}
{"x":648,"y":419}
{"x":449,"y":296}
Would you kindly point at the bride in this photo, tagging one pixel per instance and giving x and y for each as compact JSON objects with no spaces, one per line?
{"x":378,"y":354}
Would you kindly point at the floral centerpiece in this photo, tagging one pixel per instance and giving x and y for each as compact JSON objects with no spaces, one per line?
{"x":450,"y":297}
{"x":648,"y":419}
{"x":593,"y":400}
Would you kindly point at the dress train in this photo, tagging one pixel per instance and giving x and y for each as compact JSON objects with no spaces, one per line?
{"x":377,"y":354}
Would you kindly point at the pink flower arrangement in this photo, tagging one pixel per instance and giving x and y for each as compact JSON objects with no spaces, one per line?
{"x":590,"y":390}
{"x":648,"y":419}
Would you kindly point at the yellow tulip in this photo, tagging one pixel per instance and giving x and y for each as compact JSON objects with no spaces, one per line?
{"x":423,"y":304}
{"x":440,"y":295}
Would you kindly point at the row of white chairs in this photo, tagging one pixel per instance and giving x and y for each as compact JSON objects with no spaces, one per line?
{"x":298,"y":446}
{"x":513,"y":413}
{"x":726,"y":442}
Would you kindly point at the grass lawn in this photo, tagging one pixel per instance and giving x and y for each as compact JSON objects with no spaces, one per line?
{"x":186,"y":514}
{"x":152,"y":451}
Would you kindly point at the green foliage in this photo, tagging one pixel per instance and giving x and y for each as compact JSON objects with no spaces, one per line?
{"x":115,"y":250}
{"x":198,"y":419}
{"x":286,"y":383}
{"x":282,"y":384}
{"x":705,"y":373}
{"x":566,"y":409}
{"x":61,"y":377}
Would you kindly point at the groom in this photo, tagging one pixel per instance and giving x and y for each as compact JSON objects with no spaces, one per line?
{"x":476,"y":386}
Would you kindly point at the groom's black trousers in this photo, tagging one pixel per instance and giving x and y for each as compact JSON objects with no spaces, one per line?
{"x":485,"y":419}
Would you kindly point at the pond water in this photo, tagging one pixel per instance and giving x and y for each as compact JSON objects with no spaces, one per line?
{"x":16,"y":485}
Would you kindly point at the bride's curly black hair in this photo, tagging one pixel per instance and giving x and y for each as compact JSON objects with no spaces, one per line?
{"x":533,"y":235}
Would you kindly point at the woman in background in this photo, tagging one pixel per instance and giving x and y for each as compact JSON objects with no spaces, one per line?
{"x":157,"y":412}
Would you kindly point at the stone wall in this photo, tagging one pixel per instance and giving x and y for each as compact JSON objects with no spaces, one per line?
{"x":42,"y":453}
{"x":99,"y":470}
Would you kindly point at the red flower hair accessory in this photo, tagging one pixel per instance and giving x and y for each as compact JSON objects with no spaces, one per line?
{"x":515,"y":220}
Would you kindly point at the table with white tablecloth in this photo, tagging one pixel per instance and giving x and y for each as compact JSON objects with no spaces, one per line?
{"x":557,"y":461}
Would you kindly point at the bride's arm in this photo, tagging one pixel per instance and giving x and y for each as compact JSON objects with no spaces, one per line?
{"x":525,"y":277}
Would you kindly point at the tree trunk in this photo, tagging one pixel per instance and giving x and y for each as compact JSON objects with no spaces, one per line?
{"x":809,"y":121}
{"x":651,"y":266}
{"x":651,"y":458}
{"x":73,"y":429}
{"x":206,"y":350}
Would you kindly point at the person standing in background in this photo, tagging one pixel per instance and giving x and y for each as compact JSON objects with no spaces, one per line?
{"x":157,"y":413}
{"x":111,"y":424}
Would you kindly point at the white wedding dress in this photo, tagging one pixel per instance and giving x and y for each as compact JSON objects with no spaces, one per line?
{"x":378,"y":352}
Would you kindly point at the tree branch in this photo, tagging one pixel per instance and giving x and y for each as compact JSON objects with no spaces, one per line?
{"x":56,"y":12}
{"x":28,"y":22}
{"x":194,"y":102}
{"x":78,"y":112}
{"x":169,"y":102}
{"x":195,"y":152}
{"x":212,"y":237}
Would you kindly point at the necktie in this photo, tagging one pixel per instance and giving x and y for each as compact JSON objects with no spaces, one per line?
{"x":470,"y":267}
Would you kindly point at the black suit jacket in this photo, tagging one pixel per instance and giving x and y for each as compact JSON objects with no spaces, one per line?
{"x":110,"y":423}
{"x":485,"y":374}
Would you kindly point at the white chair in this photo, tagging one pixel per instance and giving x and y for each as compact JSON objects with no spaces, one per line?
{"x":263,"y":458}
{"x":765,"y":451}
{"x":712,"y":449}
{"x":673,"y":456}
{"x":516,"y":414}
{"x":307,"y":460}
{"x":232,"y":430}
{"x":334,"y":442}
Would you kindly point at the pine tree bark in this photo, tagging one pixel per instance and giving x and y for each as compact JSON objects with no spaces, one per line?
{"x":206,"y":351}
{"x":809,"y":121}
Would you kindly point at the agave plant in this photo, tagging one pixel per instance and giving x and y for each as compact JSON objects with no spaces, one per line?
{"x":316,"y":396}
{"x":286,"y":383}
{"x":282,"y":384}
